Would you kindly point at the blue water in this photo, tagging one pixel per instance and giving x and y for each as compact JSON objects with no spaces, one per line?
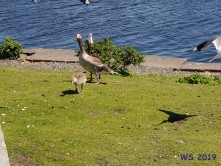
{"x":153,"y":27}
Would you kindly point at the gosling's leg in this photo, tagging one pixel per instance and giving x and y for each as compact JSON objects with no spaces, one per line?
{"x":76,"y":89}
{"x":99,"y":76}
{"x":82,"y":85}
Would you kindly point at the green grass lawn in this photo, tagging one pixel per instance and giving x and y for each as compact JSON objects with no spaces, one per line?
{"x":117,"y":123}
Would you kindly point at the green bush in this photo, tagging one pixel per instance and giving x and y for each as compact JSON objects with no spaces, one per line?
{"x":10,"y":49}
{"x":115,"y":57}
{"x":200,"y":79}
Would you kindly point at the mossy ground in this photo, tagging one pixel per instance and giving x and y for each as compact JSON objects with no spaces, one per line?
{"x":117,"y":123}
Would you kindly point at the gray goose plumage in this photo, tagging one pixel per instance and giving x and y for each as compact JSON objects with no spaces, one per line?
{"x":91,"y":64}
{"x":89,"y":43}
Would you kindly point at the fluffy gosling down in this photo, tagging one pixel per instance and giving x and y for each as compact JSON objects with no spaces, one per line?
{"x":79,"y":79}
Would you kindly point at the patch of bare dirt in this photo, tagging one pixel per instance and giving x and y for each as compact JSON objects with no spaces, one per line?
{"x":22,"y":160}
{"x":101,"y":162}
{"x":92,"y":113}
{"x":118,"y":112}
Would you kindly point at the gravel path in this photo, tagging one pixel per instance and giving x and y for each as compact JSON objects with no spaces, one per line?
{"x":141,"y":70}
{"x":144,"y":70}
{"x":42,"y":65}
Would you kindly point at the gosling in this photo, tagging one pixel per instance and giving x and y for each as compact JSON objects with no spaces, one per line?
{"x":79,"y":79}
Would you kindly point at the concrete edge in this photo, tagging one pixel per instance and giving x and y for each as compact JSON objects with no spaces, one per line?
{"x":4,"y":160}
{"x":200,"y":70}
{"x":175,"y":63}
{"x":43,"y":60}
{"x":163,"y":61}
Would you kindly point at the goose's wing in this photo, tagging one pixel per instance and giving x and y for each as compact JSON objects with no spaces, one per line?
{"x":204,"y":45}
{"x":218,"y":56}
{"x":95,"y":61}
{"x":217,"y":43}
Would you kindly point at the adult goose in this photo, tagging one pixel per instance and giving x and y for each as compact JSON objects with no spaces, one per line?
{"x":216,"y":41}
{"x":89,"y":47}
{"x":91,"y":64}
{"x":89,"y":43}
{"x":89,"y":52}
{"x":90,"y":38}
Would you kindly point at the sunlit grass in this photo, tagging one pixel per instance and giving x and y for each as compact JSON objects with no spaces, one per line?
{"x":116,"y":123}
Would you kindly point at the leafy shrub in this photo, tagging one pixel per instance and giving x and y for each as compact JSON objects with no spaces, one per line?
{"x":10,"y":49}
{"x":115,"y":57}
{"x":201,"y":79}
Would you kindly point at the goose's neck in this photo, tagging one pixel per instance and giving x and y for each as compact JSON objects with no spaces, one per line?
{"x":89,"y":48}
{"x":81,"y":46}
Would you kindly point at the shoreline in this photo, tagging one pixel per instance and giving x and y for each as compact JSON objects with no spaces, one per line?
{"x":65,"y":59}
{"x":63,"y":66}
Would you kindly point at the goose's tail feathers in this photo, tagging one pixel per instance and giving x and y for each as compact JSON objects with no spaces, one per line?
{"x":107,"y":69}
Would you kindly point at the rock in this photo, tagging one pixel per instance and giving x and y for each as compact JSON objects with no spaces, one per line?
{"x":3,"y":151}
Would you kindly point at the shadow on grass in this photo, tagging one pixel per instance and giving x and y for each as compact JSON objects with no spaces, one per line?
{"x":68,"y":92}
{"x":174,"y":117}
{"x":93,"y":82}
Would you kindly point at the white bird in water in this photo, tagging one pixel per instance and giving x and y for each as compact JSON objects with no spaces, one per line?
{"x":34,"y":1}
{"x":86,"y":2}
{"x":217,"y":43}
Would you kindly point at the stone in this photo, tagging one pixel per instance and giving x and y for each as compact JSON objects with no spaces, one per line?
{"x":4,"y":161}
{"x":202,"y":67}
{"x":53,"y":55}
{"x":163,"y":61}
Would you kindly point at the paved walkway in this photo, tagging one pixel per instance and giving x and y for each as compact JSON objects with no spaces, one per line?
{"x":64,"y":55}
{"x":51,"y":55}
{"x":4,"y":161}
